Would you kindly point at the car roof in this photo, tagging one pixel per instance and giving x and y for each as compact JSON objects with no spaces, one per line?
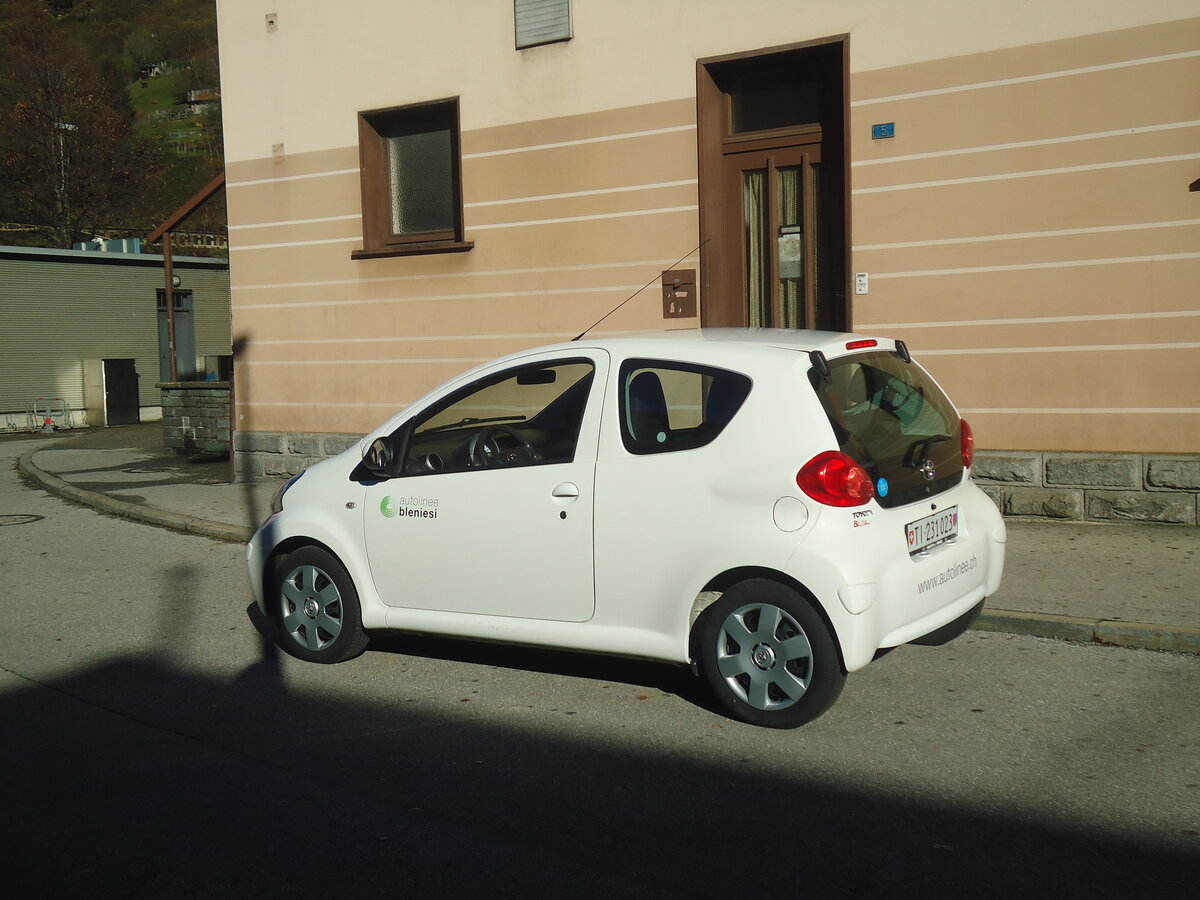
{"x":727,"y":341}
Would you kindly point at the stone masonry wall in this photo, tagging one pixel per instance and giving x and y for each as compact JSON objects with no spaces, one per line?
{"x":1100,"y":487}
{"x":195,"y":416}
{"x":266,"y":454}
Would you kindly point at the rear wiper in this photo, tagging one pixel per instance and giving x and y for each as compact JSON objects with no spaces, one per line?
{"x":471,"y":420}
{"x":918,"y":451}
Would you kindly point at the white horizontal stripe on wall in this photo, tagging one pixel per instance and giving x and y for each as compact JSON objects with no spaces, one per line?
{"x":328,"y":174}
{"x":297,"y":222}
{"x":1041,"y":320}
{"x":341,"y":404}
{"x":647,"y":264}
{"x":1095,"y":348}
{"x":1030,"y":173}
{"x":1026,"y":79}
{"x":592,"y":218}
{"x":580,"y":142}
{"x":428,"y":298}
{"x":593,"y":193}
{"x":1070,"y":410}
{"x":544,"y":336}
{"x":1065,"y":264}
{"x":1020,"y":145}
{"x":356,"y":239}
{"x":394,"y":361}
{"x":1026,"y":235}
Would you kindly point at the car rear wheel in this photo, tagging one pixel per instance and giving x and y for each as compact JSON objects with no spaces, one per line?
{"x":768,"y":656}
{"x":316,"y":606}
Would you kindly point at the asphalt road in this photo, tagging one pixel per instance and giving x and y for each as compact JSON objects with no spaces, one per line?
{"x":154,"y":744}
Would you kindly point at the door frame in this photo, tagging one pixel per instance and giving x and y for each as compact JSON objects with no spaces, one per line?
{"x":722,"y":300}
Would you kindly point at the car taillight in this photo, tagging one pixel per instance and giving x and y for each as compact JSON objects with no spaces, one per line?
{"x":968,"y":445}
{"x":835,"y":479}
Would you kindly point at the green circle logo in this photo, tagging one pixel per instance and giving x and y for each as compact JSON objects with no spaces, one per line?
{"x":385,"y":507}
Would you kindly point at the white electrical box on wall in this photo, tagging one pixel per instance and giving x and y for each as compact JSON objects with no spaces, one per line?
{"x":860,"y":282}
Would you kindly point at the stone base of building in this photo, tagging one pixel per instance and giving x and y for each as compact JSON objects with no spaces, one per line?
{"x":278,"y":454}
{"x":1075,"y":487}
{"x":1093,"y":487}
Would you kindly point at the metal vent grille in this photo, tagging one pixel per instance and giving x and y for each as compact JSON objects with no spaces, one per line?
{"x":542,"y":21}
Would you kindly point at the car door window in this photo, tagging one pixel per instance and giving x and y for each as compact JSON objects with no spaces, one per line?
{"x":529,"y":415}
{"x":669,"y":406}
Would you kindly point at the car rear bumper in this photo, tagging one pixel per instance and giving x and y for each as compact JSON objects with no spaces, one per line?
{"x":909,"y":596}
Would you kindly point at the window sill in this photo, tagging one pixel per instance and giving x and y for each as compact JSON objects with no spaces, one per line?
{"x":418,"y":249}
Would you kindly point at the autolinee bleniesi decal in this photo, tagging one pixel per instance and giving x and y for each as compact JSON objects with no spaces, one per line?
{"x":409,"y":507}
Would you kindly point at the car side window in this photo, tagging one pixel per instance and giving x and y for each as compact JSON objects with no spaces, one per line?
{"x":525,"y":416}
{"x":666,"y":406}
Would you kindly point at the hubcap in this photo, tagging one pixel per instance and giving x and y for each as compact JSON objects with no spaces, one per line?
{"x":764,"y":656}
{"x":311,"y":608}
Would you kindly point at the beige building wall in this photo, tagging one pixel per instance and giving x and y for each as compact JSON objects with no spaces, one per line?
{"x":1028,"y":231}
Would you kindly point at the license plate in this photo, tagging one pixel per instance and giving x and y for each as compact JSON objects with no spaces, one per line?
{"x":932,"y":530}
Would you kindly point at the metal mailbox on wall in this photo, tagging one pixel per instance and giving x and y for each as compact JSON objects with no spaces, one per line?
{"x":679,"y":293}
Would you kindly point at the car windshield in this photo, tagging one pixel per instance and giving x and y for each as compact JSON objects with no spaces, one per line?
{"x":892,"y":418}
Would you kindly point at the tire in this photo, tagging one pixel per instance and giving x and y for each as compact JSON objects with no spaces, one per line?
{"x":768,"y":656}
{"x":316,"y":607}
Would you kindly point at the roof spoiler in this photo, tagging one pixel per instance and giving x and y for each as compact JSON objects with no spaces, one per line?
{"x":819,"y":363}
{"x":902,"y":351}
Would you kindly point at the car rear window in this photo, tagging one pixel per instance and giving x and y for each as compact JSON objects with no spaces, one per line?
{"x":892,"y":418}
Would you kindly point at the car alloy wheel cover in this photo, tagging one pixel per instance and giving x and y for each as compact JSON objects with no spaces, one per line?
{"x":764,"y":656}
{"x":312,"y":607}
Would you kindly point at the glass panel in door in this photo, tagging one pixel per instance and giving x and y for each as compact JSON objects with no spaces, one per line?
{"x":757,"y":250}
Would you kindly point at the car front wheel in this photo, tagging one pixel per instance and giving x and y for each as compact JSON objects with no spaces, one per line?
{"x":316,"y":607}
{"x":768,"y":656}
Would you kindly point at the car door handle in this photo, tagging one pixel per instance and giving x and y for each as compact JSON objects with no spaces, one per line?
{"x":565,"y":491}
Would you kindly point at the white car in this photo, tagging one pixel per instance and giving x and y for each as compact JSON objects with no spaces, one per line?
{"x":772,"y":507}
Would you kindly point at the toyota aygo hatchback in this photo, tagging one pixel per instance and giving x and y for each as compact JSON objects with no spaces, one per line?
{"x":773,"y":507}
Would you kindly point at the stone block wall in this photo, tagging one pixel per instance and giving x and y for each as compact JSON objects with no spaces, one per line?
{"x":1098,"y":487}
{"x":270,"y":454}
{"x":195,"y":416}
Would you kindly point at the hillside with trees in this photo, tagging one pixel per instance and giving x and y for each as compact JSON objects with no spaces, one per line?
{"x":111,"y":119}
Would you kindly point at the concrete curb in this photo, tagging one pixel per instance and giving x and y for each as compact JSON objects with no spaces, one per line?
{"x":151,"y":515}
{"x":1117,"y":633}
{"x":1135,"y":635}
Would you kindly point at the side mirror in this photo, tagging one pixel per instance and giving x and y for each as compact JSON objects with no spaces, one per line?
{"x":380,"y":458}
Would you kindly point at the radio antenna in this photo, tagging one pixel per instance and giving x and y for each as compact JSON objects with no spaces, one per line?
{"x":635,"y":293}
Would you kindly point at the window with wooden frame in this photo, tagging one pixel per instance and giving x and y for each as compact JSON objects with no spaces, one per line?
{"x":411,"y":180}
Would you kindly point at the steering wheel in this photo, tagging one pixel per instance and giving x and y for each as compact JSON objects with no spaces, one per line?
{"x":485,"y":450}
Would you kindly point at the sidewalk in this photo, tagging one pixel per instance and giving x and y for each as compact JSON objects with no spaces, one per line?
{"x":1131,"y":585}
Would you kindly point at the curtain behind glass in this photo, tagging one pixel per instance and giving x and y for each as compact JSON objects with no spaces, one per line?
{"x":758,"y":266}
{"x":790,"y":313}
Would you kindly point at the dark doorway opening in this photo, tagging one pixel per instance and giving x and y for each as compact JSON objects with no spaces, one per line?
{"x":774,"y":205}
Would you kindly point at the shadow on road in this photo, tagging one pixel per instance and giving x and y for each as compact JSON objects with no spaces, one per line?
{"x":132,"y":778}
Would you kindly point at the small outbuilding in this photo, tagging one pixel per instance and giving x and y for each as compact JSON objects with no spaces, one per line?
{"x":83,"y":335}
